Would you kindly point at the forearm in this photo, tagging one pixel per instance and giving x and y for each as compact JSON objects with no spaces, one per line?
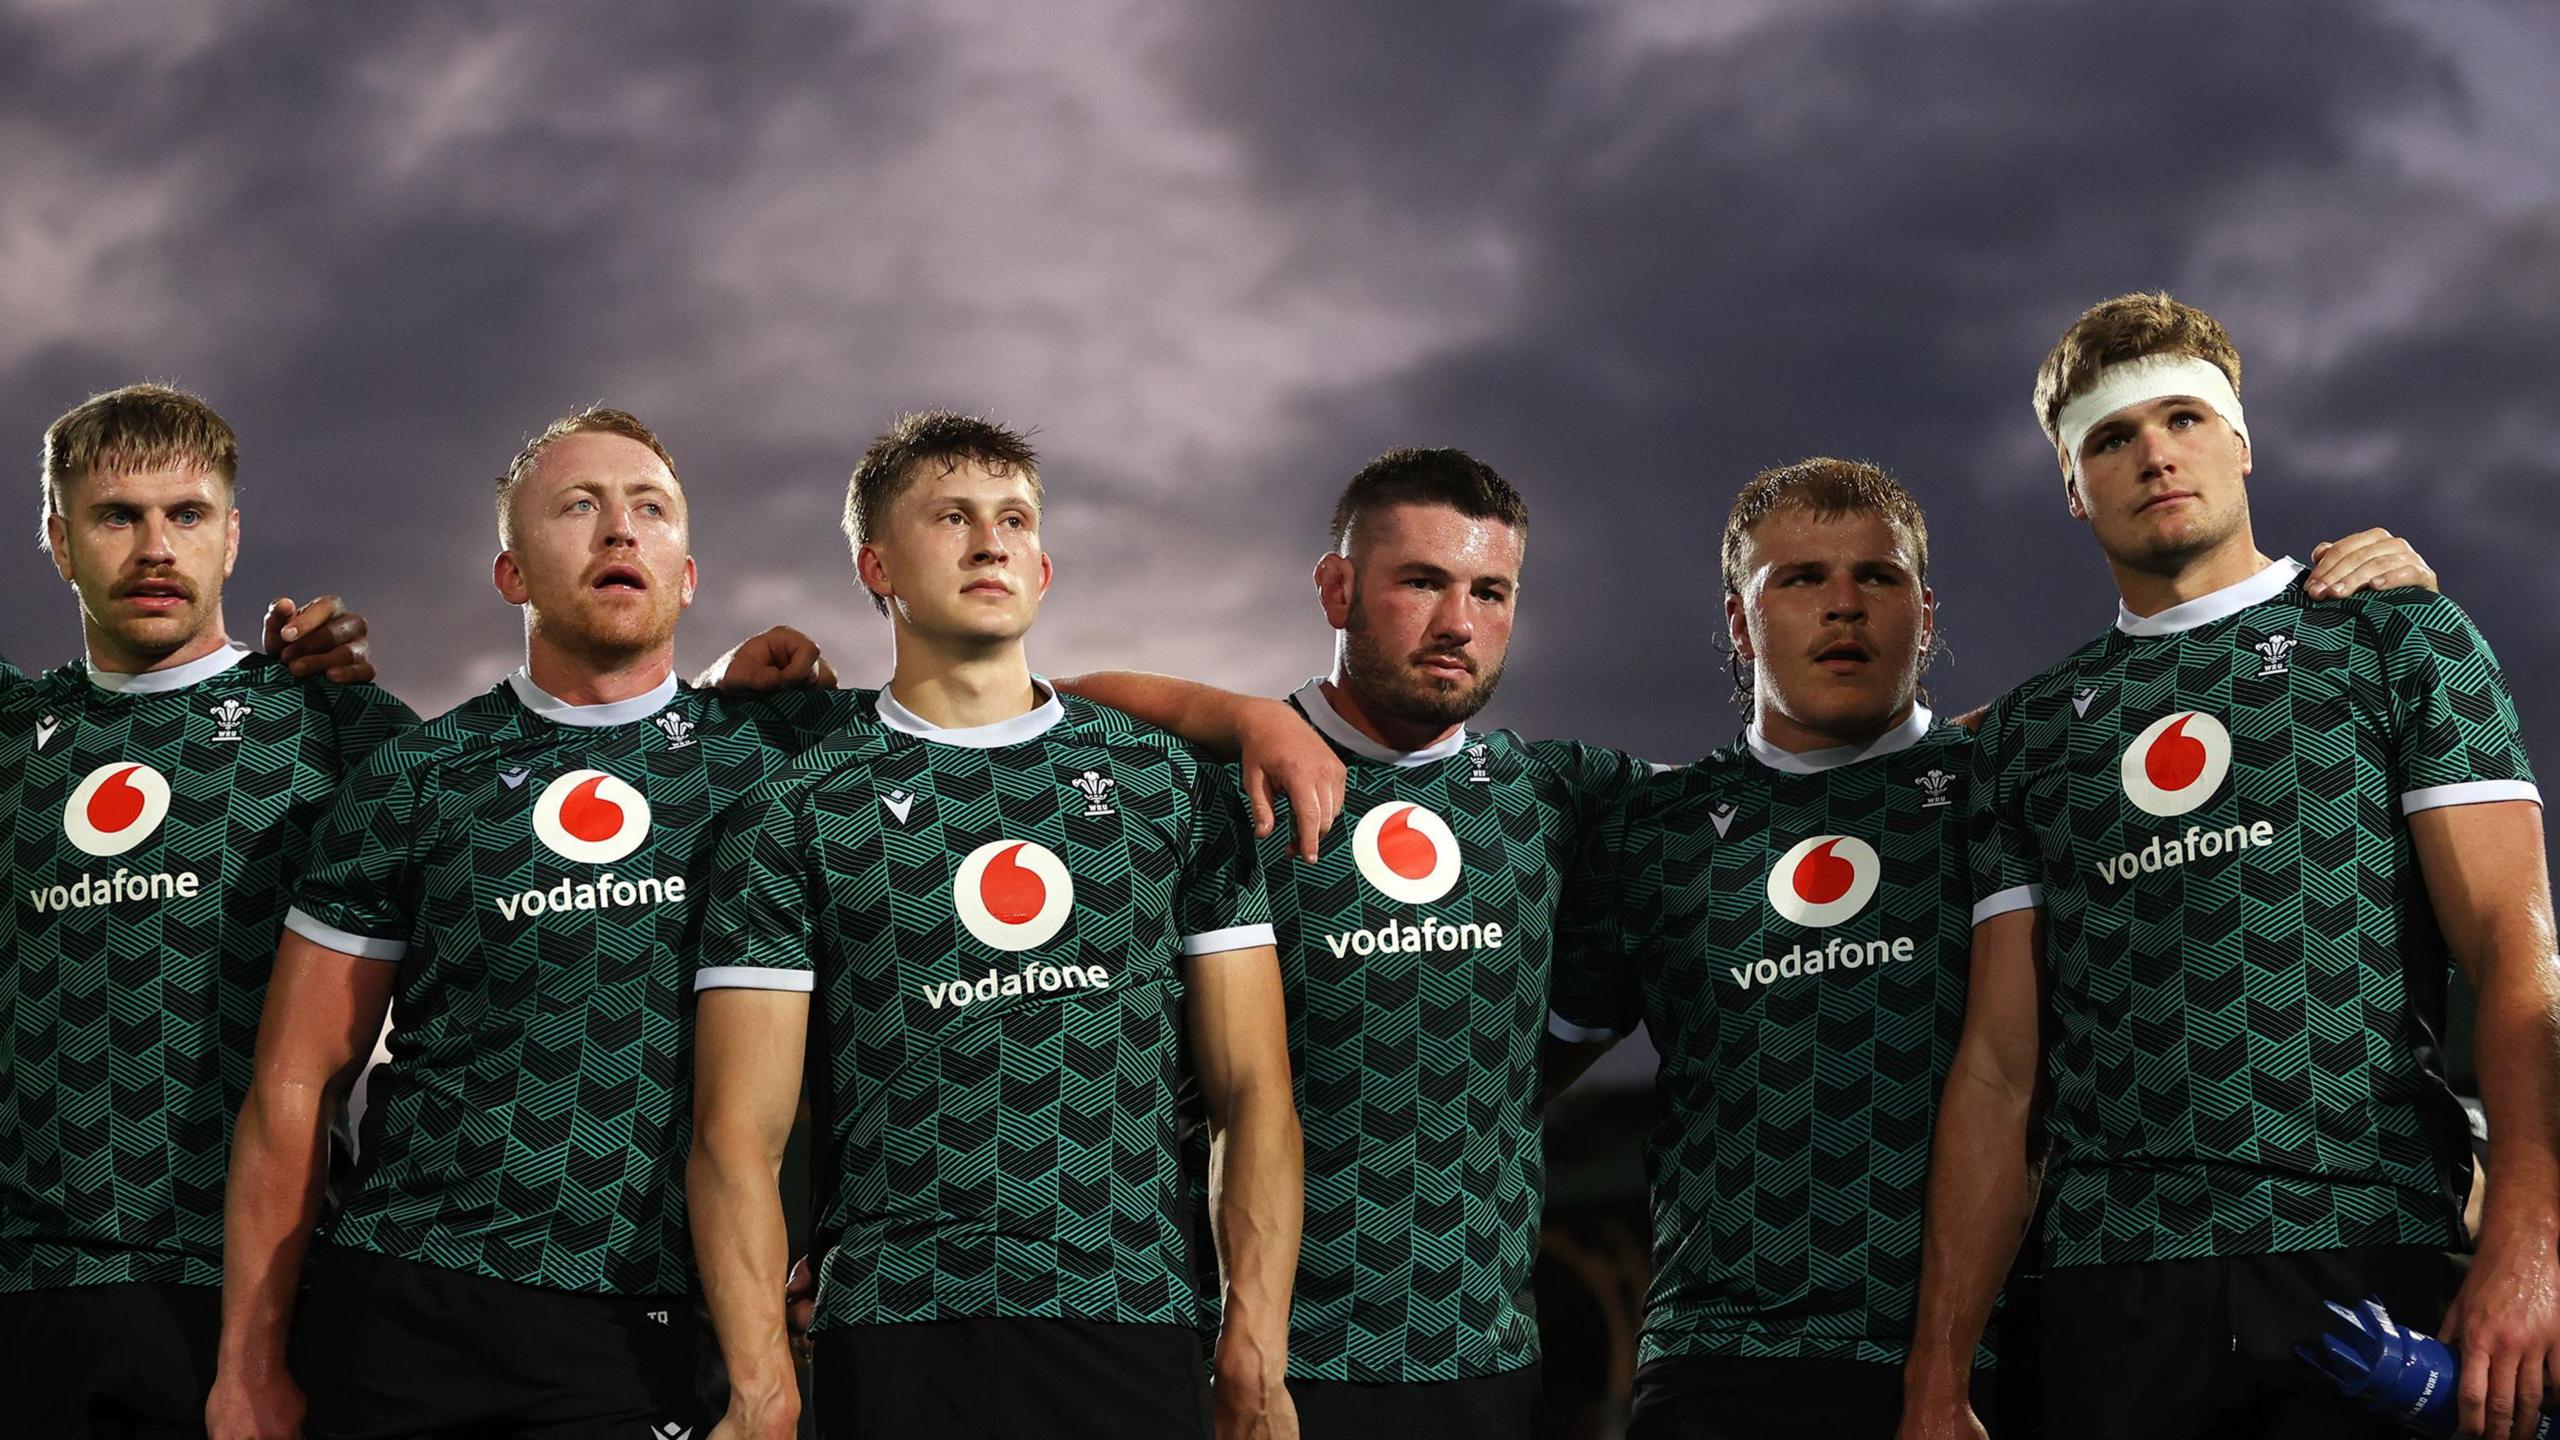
{"x":734,"y":1190}
{"x":279,"y":1159}
{"x":1257,"y":1179}
{"x":1981,"y":1194}
{"x":1201,"y":714}
{"x":2519,"y":1064}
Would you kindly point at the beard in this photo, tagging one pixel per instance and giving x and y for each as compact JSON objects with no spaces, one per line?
{"x":1393,"y":682}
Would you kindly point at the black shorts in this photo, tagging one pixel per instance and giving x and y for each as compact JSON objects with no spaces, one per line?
{"x":1729,"y":1397}
{"x":1010,"y":1380}
{"x":385,"y":1347}
{"x":2172,"y":1348}
{"x":107,"y":1362}
{"x":1485,"y":1407}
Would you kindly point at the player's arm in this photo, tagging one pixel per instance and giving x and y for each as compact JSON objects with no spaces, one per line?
{"x":324,"y":1007}
{"x":2486,"y":879}
{"x":747,"y":1046}
{"x":1280,"y":753}
{"x":1238,"y":1027}
{"x":2366,"y":560}
{"x":777,"y":659}
{"x":1981,"y":1188}
{"x":319,"y":637}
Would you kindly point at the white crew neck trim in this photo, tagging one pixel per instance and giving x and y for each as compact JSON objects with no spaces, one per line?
{"x":1813,"y":762}
{"x":2222,"y":604}
{"x":591,"y":717}
{"x":1330,"y":723}
{"x":1031,"y":724}
{"x":176,"y":677}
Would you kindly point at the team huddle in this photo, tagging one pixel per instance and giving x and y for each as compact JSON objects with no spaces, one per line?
{"x":1145,"y":1099}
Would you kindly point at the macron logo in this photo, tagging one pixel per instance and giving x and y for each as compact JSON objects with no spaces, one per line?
{"x":900,"y":803}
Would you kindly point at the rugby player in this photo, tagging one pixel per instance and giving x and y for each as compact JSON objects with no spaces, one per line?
{"x":1416,"y":955}
{"x":1788,"y":917}
{"x":158,"y":792}
{"x":1003,"y":925}
{"x":2231,"y":849}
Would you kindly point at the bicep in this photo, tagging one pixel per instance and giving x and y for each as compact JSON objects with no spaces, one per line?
{"x":1238,"y":1021}
{"x":324,"y":1009}
{"x":747,"y":1049}
{"x":2484,"y":872}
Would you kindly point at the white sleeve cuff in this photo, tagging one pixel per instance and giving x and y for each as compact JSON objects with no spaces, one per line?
{"x":2016,"y":897}
{"x":2469,"y":792}
{"x":1234,"y":937}
{"x":1573,"y":1034}
{"x":345,"y":942}
{"x":754,"y":977}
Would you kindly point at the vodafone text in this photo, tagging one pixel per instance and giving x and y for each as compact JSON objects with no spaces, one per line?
{"x":1033,"y":980}
{"x":2196,"y":844}
{"x":606,"y":891}
{"x":1832,"y":954}
{"x":1429,"y":935}
{"x":91,"y":891}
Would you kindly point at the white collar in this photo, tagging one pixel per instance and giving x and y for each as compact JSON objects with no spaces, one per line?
{"x":1330,"y":723}
{"x":591,"y":717}
{"x":1029,"y":725}
{"x":176,"y":677}
{"x":2222,"y":604}
{"x":1814,"y":762}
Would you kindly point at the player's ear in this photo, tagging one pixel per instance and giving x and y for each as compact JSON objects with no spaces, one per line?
{"x":686,"y":598}
{"x":2071,"y":488}
{"x":509,"y":578}
{"x":1333,"y":589}
{"x":231,"y":540}
{"x":57,"y":538}
{"x":2247,"y":458}
{"x":1737,"y":627}
{"x":1048,"y":572}
{"x":873,"y":571}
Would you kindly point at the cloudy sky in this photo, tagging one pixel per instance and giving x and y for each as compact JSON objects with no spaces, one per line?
{"x":1220,"y":255}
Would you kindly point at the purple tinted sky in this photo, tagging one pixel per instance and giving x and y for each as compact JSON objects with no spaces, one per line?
{"x":1220,"y":255}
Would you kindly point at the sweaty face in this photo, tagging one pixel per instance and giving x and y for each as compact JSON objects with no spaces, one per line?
{"x":1834,"y":620}
{"x":599,"y":559}
{"x":959,"y":555}
{"x":148,"y":553}
{"x":2161,"y":483}
{"x":1424,"y":599}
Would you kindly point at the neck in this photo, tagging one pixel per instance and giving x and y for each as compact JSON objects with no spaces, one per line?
{"x":1796,"y":737}
{"x":1375,"y":721}
{"x":960,"y":688}
{"x":580,"y":677}
{"x":108,"y":657}
{"x":2149,"y":590}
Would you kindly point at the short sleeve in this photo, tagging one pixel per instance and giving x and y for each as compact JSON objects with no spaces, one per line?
{"x":1999,"y":849}
{"x":2455,"y":736}
{"x":367,"y":715}
{"x":358,"y":888}
{"x":1223,"y":904}
{"x":757,"y":931}
{"x":1594,"y":994}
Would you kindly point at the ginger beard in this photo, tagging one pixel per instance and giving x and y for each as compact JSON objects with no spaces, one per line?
{"x":147,"y":552}
{"x":598,"y":555}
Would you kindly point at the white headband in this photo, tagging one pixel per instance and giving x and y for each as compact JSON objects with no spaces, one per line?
{"x":2139,"y":381}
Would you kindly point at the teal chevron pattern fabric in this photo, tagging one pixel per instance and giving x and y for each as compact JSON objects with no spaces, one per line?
{"x":1796,"y":945}
{"x":2246,"y":976}
{"x":994,"y":940}
{"x":152,"y":838}
{"x":533,"y":1120}
{"x":1417,"y":997}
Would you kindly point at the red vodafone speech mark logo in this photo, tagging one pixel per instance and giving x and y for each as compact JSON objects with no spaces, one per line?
{"x":116,"y":807}
{"x":1824,"y":880}
{"x":1013,"y":894}
{"x":590,"y":817}
{"x":2177,"y":763}
{"x":1406,"y":853}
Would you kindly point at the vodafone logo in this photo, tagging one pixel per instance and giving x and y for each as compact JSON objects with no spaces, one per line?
{"x":1013,"y":894}
{"x":1406,"y":853}
{"x":1824,"y":880}
{"x":590,"y":817}
{"x":2177,"y":763}
{"x":115,"y":808}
